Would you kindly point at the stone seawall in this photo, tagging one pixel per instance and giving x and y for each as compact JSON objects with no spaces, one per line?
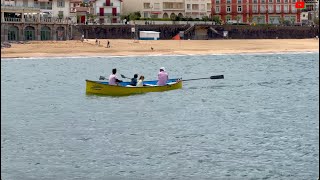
{"x":196,"y":31}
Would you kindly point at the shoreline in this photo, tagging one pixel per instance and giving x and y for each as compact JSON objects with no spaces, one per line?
{"x":155,"y":55}
{"x":130,"y":48}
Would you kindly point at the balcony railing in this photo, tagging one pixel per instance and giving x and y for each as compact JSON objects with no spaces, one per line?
{"x":36,"y":20}
{"x":9,"y":19}
{"x":105,"y":4}
{"x":17,"y":8}
{"x":108,"y":14}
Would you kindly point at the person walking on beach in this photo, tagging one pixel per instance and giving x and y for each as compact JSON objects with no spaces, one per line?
{"x":96,"y":41}
{"x":108,"y":44}
{"x":162,"y":77}
{"x":113,"y":79}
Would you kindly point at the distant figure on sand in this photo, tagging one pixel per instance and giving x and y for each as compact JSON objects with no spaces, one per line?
{"x":151,"y":48}
{"x":96,"y":41}
{"x":162,"y":77}
{"x":108,"y":44}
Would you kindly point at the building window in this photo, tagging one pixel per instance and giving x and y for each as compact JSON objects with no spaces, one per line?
{"x":263,"y":1}
{"x":217,"y":1}
{"x":270,"y":8}
{"x":228,"y":9}
{"x":239,"y":1}
{"x":278,"y":8}
{"x":146,"y":5}
{"x":262,"y":8}
{"x":255,"y":1}
{"x":60,"y":14}
{"x":157,"y":6}
{"x":228,"y":18}
{"x":255,"y":8}
{"x":195,"y":7}
{"x":286,"y":8}
{"x":60,"y":3}
{"x":217,"y":9}
{"x":286,"y":1}
{"x":146,"y":14}
{"x":278,"y":1}
{"x":228,"y":1}
{"x":188,"y":6}
{"x":293,"y":1}
{"x":270,"y":1}
{"x":209,"y":6}
{"x":239,"y":9}
{"x":202,"y":7}
{"x":293,"y":9}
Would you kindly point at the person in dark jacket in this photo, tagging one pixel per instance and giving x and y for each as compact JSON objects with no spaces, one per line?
{"x":134,"y":80}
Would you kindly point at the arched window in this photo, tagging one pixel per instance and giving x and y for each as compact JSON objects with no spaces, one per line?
{"x":165,"y":16}
{"x":29,"y":33}
{"x":45,"y":33}
{"x":13,"y":33}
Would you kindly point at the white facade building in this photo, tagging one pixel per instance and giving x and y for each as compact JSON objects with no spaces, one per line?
{"x":108,"y":11}
{"x":48,"y":8}
{"x":168,"y":8}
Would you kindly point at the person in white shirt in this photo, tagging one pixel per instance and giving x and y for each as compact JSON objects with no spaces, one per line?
{"x":140,"y":82}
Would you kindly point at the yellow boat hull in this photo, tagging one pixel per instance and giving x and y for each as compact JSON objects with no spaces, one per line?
{"x":95,"y":87}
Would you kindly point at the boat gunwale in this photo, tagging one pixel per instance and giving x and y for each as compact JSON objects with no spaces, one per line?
{"x":132,"y":87}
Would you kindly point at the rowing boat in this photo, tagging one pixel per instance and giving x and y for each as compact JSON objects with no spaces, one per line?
{"x":124,"y":89}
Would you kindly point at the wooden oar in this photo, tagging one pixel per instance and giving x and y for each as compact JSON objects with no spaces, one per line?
{"x":123,"y":76}
{"x":104,"y":78}
{"x":211,"y":77}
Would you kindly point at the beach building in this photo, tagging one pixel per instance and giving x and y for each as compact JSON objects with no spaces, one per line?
{"x":81,"y":13}
{"x":35,"y":20}
{"x":107,"y":11}
{"x":256,"y":11}
{"x":168,"y":8}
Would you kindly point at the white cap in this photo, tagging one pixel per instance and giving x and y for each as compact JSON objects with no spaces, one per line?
{"x":163,"y":68}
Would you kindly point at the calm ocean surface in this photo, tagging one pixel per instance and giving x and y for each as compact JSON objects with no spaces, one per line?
{"x":260,"y":122}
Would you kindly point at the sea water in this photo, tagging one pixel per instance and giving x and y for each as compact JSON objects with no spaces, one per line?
{"x":260,"y":122}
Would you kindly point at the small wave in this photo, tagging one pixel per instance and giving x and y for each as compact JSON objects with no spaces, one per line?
{"x":158,"y":55}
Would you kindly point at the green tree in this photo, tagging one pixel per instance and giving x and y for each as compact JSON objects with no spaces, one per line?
{"x":205,"y":18}
{"x":216,"y":19}
{"x":293,"y":20}
{"x":173,"y":17}
{"x":238,"y":19}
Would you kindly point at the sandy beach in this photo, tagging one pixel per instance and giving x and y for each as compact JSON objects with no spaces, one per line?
{"x":160,"y":47}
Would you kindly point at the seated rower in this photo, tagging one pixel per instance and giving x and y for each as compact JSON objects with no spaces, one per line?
{"x":140,"y":82}
{"x":113,"y":79}
{"x":134,"y":80}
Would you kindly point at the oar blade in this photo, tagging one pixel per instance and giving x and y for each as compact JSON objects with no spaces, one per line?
{"x":102,"y":78}
{"x":217,"y":77}
{"x":123,"y":76}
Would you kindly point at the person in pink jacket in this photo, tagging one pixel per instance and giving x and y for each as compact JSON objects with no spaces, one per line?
{"x":162,"y":77}
{"x":113,"y":79}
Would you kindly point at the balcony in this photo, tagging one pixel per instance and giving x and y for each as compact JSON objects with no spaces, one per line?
{"x":108,"y":15}
{"x":6,"y":8}
{"x":36,"y":20}
{"x":105,"y":4}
